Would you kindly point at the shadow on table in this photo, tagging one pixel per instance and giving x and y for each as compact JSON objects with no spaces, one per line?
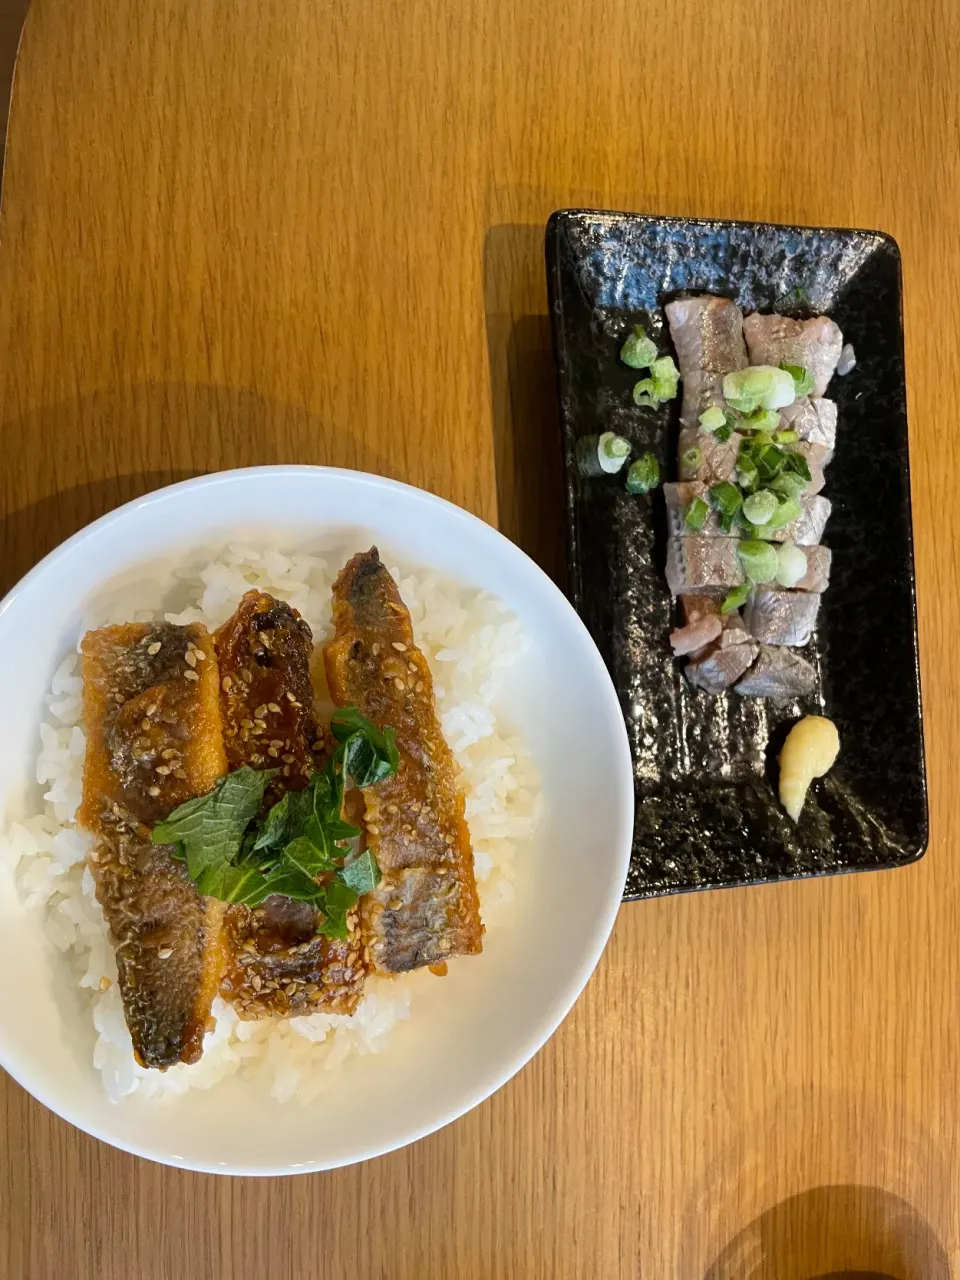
{"x":526,"y":430}
{"x":120,"y":442}
{"x":833,"y":1232}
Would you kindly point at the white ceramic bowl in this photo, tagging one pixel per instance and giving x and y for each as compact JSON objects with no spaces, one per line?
{"x":471,"y":1031}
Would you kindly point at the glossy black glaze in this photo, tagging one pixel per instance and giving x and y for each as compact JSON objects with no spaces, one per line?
{"x":705,"y":766}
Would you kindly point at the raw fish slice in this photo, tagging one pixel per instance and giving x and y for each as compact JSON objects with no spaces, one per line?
{"x":719,"y":457}
{"x":815,"y":422}
{"x":805,"y":531}
{"x":779,"y":674}
{"x":425,"y":909}
{"x":817,"y":577}
{"x":777,"y":616}
{"x":721,"y":665}
{"x":699,"y":564}
{"x":708,"y":335}
{"x":814,"y":344}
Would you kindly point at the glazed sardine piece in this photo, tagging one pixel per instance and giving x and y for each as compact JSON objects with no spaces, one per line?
{"x":708,"y":335}
{"x":814,"y":345}
{"x":777,"y":616}
{"x":778,"y":674}
{"x":425,"y":909}
{"x":154,"y":740}
{"x":277,"y":963}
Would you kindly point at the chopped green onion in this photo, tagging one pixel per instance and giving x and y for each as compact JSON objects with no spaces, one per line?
{"x":785,"y":514}
{"x":789,"y":484}
{"x":759,"y":560}
{"x":723,"y":433}
{"x":735,"y":598}
{"x":713,"y":418}
{"x":760,"y":387}
{"x":760,"y":506}
{"x":666,"y":377}
{"x":747,"y":475}
{"x":643,"y":475}
{"x":802,"y":379}
{"x":640,"y":397}
{"x":691,"y":459}
{"x":697,"y":513}
{"x":612,"y":452}
{"x":639,"y":352}
{"x":726,"y":498}
{"x":791,"y":565}
{"x":797,"y":463}
{"x":786,"y":437}
{"x":764,"y":420}
{"x":770,"y":461}
{"x":602,"y":455}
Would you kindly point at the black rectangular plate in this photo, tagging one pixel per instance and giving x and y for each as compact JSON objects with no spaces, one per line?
{"x":705,"y":767}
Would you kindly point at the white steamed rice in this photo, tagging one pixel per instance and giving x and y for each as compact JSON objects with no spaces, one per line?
{"x":469,"y":638}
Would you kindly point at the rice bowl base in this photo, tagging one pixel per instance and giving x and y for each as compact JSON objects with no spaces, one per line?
{"x":471,"y":1030}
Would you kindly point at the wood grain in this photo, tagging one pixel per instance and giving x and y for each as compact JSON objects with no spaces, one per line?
{"x":252,"y":231}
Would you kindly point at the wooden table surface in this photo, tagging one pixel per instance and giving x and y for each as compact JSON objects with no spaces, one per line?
{"x":251,"y":231}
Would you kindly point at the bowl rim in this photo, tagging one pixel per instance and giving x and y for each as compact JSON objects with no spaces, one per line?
{"x":622,"y":793}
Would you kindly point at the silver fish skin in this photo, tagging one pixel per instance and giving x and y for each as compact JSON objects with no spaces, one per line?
{"x":776,"y":616}
{"x":701,"y":564}
{"x":721,"y":666}
{"x":814,"y":421}
{"x":708,"y":335}
{"x":814,"y":345}
{"x":779,"y":674}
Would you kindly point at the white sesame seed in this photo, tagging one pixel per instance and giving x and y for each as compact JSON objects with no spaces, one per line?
{"x":190,"y":658}
{"x":190,"y":675}
{"x":400,"y":648}
{"x":272,"y":706}
{"x":153,"y":791}
{"x":165,"y":953}
{"x":399,"y":684}
{"x":154,"y":648}
{"x":226,"y":684}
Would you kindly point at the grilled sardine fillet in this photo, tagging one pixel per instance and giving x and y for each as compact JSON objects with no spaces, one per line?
{"x":154,"y":740}
{"x":805,"y":531}
{"x":814,"y":344}
{"x":708,"y":335}
{"x":703,"y":565}
{"x":814,"y":421}
{"x":780,"y":617}
{"x":778,"y":674}
{"x":425,"y":909}
{"x":278,"y":964}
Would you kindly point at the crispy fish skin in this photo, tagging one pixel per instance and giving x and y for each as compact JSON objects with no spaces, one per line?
{"x":425,"y":909}
{"x":154,"y":739}
{"x":278,"y":965}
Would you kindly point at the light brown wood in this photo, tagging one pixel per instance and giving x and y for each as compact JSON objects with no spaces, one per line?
{"x":246,"y":231}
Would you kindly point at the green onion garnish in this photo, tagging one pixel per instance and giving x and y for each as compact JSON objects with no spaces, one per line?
{"x":747,"y":475}
{"x":786,"y":437}
{"x":791,"y":565}
{"x":639,"y":352}
{"x":788,"y":511}
{"x":612,"y":452}
{"x":759,"y":560}
{"x":802,"y":380}
{"x":712,"y":419}
{"x":691,"y":459}
{"x":726,"y":498}
{"x":643,"y":475}
{"x":763,"y":420}
{"x":723,"y":433}
{"x":789,"y":484}
{"x":735,"y":598}
{"x":797,"y":463}
{"x":697,"y":513}
{"x":760,"y":506}
{"x":760,"y":387}
{"x":662,"y":384}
